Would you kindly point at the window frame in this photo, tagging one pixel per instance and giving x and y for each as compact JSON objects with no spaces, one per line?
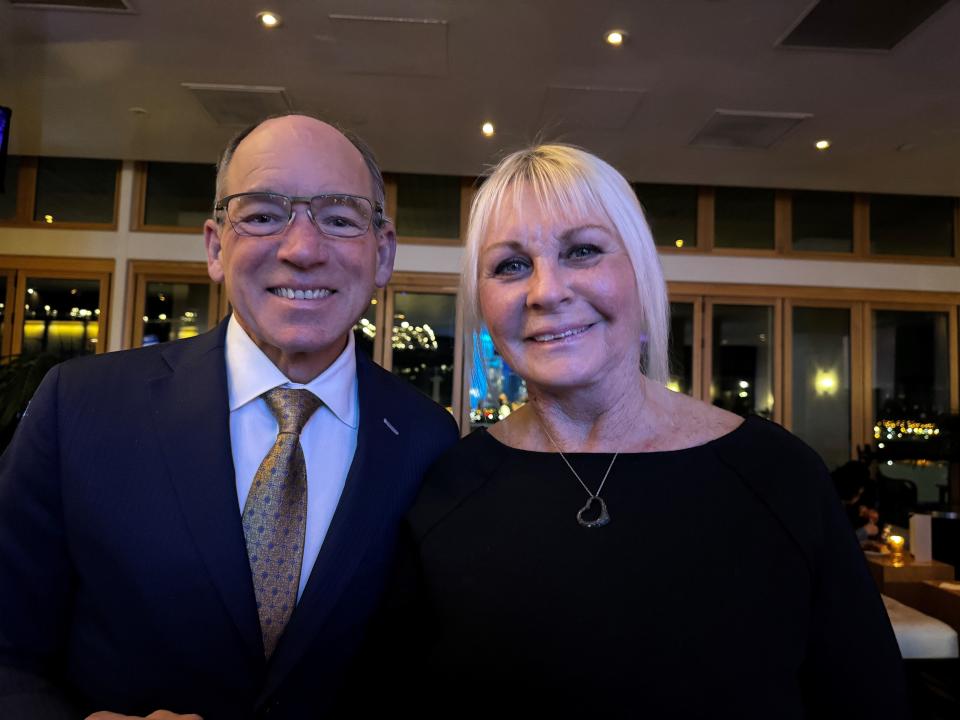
{"x":142,"y":272}
{"x":24,"y":266}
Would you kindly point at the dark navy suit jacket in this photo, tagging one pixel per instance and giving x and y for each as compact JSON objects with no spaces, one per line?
{"x":124,"y":580}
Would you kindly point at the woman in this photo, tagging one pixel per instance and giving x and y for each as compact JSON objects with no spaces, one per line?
{"x":614,"y":547}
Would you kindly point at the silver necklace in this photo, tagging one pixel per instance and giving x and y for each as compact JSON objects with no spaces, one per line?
{"x":604,"y":517}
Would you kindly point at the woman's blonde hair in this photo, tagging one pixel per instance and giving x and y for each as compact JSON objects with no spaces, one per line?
{"x":570,"y":182}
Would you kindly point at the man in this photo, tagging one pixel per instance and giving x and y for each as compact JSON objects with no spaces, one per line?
{"x":143,"y":486}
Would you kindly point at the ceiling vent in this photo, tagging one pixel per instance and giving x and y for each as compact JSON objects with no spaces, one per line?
{"x":860,"y":24}
{"x":240,"y":104}
{"x":593,"y":108}
{"x":741,"y":129}
{"x":389,"y":45}
{"x":94,"y":5}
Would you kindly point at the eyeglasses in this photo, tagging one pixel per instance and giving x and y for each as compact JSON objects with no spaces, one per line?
{"x":263,"y":213}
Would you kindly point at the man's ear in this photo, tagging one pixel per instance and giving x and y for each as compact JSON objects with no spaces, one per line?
{"x":211,"y":239}
{"x":386,"y":254}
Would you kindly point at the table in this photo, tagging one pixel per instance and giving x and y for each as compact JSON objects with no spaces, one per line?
{"x":920,"y":636}
{"x":884,"y":571}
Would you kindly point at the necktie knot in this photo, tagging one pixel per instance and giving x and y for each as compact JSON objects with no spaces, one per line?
{"x":292,"y":408}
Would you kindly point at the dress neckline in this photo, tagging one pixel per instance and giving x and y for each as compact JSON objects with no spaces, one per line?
{"x":708,"y":445}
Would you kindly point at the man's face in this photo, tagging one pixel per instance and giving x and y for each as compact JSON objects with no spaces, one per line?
{"x":298,"y":156}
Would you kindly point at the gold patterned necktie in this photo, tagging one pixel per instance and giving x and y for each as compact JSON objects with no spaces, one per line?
{"x":275,"y":514}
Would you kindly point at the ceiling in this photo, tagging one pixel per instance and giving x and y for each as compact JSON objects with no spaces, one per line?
{"x":419,"y":91}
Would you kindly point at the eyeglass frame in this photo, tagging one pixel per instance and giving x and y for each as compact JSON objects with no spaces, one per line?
{"x":377,"y":218}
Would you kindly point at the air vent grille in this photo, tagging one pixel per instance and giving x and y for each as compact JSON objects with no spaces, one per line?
{"x":860,"y":24}
{"x":742,"y":129}
{"x":240,"y":104}
{"x":96,"y":5}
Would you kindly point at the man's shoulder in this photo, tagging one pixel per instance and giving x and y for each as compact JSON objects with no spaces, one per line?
{"x":140,"y":363}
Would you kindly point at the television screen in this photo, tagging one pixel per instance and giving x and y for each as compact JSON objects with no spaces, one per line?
{"x":5,"y":114}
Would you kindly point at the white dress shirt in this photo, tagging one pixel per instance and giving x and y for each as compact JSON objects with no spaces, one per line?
{"x":329,"y":438}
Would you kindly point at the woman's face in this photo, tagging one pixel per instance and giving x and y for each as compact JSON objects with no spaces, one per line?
{"x":559,"y":296}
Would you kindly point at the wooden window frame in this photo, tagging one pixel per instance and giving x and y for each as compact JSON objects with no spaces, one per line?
{"x":696,"y":359}
{"x":27,"y":200}
{"x":138,"y":207}
{"x":141,"y":272}
{"x":776,"y":344}
{"x":467,"y":189}
{"x":432,"y":283}
{"x":24,"y":266}
{"x":953,"y":350}
{"x":9,"y":299}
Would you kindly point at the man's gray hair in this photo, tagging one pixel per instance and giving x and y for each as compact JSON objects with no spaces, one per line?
{"x":379,"y":194}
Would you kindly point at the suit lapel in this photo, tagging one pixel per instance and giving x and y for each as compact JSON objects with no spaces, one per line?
{"x":369,"y":496}
{"x":192,"y":419}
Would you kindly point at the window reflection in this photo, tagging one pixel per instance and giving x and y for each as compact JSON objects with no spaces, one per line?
{"x":8,"y":191}
{"x":681,"y":348}
{"x":75,"y":190}
{"x":911,"y":365}
{"x":3,"y":302}
{"x":821,"y":381}
{"x":178,"y":194}
{"x":671,"y":211}
{"x":495,"y":389}
{"x":365,"y":331}
{"x":61,"y":317}
{"x":742,"y":378}
{"x":422,"y":341}
{"x":173,"y":311}
{"x":743,"y":218}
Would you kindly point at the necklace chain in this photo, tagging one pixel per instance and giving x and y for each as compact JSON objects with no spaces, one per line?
{"x":604,"y":517}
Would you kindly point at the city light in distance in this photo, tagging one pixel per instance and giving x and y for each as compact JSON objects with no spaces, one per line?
{"x":822,"y":145}
{"x":616,"y":37}
{"x":488,"y":129}
{"x":679,"y":242}
{"x":269,"y":19}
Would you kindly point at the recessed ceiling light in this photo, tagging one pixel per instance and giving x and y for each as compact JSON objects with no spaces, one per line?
{"x":822,"y":145}
{"x":616,"y":37}
{"x":488,"y":129}
{"x":268,"y":19}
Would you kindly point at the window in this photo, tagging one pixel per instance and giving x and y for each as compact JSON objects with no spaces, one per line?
{"x":8,"y":193}
{"x":171,"y":301}
{"x":671,"y":211}
{"x":820,"y":384}
{"x":912,"y":225}
{"x":743,"y":218}
{"x":428,"y":206}
{"x":495,"y":390}
{"x":177,"y":195}
{"x":743,"y":363}
{"x":61,"y":317}
{"x":422,"y":342}
{"x":822,"y":221}
{"x":73,"y":190}
{"x":682,"y":332}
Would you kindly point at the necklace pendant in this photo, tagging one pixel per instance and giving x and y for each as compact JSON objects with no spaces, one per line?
{"x":602,"y":519}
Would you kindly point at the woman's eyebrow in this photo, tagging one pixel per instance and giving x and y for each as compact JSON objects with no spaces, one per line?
{"x":566,"y":235}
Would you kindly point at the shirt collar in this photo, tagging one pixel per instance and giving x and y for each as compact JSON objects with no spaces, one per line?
{"x":250,"y":373}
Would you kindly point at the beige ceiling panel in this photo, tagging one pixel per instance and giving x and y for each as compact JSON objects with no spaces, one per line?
{"x":389,"y":46}
{"x":588,"y":107}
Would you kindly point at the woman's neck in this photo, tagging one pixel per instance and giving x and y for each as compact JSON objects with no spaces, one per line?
{"x":592,"y":419}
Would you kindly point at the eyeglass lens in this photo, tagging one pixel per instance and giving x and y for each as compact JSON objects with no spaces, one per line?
{"x":268,"y":214}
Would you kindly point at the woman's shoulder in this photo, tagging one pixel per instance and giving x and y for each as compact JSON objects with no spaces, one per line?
{"x":455,"y":476}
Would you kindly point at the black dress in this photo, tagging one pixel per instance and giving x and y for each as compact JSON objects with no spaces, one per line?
{"x":727,"y":584}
